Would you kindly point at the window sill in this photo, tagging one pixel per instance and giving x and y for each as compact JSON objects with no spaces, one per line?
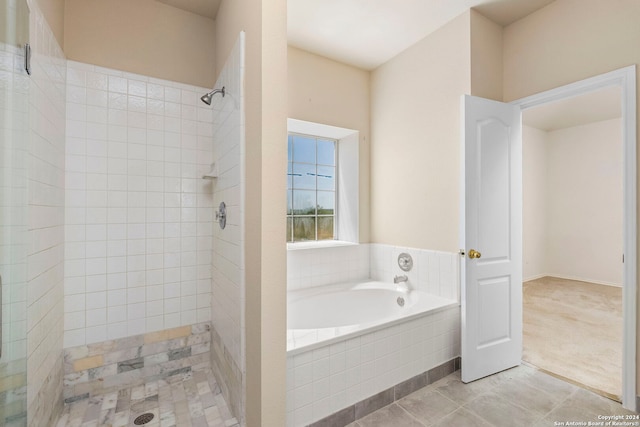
{"x":318,"y":244}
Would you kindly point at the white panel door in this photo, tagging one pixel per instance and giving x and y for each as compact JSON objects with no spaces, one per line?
{"x":491,"y":237}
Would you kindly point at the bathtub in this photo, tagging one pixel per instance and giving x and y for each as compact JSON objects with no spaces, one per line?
{"x":347,"y":342}
{"x":326,"y":314}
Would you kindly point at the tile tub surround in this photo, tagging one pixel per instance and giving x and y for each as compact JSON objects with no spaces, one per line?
{"x":326,"y":265}
{"x":365,"y":407}
{"x":110,"y":366}
{"x":326,"y":380}
{"x":434,"y":272}
{"x":362,"y":311}
{"x":189,"y":399}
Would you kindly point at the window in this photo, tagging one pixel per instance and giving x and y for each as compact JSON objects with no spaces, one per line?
{"x":311,"y":188}
{"x":323,"y":185}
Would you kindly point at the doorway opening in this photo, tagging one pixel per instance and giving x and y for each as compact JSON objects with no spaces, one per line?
{"x":573,"y":239}
{"x":625,"y":80}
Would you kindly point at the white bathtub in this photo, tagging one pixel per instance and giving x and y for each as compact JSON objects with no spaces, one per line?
{"x":322,"y":315}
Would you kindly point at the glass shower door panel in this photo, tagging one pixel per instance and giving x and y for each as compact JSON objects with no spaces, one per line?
{"x":14,"y":138}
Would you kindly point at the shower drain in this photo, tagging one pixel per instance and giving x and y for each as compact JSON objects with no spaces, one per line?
{"x":143,"y":419}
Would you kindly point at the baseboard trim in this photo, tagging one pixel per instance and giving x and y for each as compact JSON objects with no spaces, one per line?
{"x":536,"y":277}
{"x":577,"y":279}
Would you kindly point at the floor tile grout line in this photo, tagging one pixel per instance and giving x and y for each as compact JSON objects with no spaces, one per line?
{"x":516,"y":404}
{"x":509,"y":401}
{"x":409,"y":413}
{"x":560,"y":403}
{"x":476,"y":414}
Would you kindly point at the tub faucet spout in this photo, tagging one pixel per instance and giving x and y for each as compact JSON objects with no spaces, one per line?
{"x":402,"y":283}
{"x":399,"y":279}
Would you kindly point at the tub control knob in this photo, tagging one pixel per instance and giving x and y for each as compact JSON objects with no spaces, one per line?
{"x":473,"y":254}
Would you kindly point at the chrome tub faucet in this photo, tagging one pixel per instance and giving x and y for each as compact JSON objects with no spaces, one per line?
{"x":402,"y":283}
{"x":399,"y":279}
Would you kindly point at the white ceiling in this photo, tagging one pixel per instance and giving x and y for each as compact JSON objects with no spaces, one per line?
{"x":596,"y":106}
{"x":367,"y":33}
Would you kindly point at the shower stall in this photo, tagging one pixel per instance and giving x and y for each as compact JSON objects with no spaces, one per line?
{"x":109,"y":235}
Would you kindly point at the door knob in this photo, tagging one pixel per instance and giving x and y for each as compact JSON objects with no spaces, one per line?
{"x":473,"y":254}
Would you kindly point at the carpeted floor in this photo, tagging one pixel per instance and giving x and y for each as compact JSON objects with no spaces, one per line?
{"x":573,"y":330}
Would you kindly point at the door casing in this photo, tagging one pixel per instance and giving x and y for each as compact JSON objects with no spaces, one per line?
{"x":625,"y":79}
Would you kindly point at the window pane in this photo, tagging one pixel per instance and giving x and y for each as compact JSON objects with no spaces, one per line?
{"x":325,"y":228}
{"x":326,"y":152}
{"x":304,"y":176}
{"x":289,"y":228}
{"x":304,"y":149}
{"x":289,"y":147}
{"x":304,"y":202}
{"x":289,"y":202}
{"x":289,"y":175}
{"x":304,"y":229}
{"x":326,"y":178}
{"x":326,"y":202}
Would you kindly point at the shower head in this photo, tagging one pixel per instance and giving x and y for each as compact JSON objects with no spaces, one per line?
{"x":207,"y":98}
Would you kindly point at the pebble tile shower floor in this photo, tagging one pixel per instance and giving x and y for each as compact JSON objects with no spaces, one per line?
{"x":192,"y":399}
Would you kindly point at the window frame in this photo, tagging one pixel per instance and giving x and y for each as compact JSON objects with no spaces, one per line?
{"x":347,"y":186}
{"x":335,"y":190}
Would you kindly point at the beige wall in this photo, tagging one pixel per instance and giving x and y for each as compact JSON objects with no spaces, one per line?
{"x":53,"y":12}
{"x":567,"y":41}
{"x":143,"y":37}
{"x":573,"y":203}
{"x":534,"y":203}
{"x":324,"y":91}
{"x":584,"y":192}
{"x":265,"y":199}
{"x":415,"y":146}
{"x":486,"y":57}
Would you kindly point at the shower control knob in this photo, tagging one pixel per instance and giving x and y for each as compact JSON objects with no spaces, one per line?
{"x":473,"y":254}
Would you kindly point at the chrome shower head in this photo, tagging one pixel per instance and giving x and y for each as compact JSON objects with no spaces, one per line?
{"x":207,"y":98}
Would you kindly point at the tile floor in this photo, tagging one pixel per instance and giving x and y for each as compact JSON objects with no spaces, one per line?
{"x":518,"y":397}
{"x":192,"y":399}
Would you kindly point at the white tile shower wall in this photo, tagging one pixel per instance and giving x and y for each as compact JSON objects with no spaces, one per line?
{"x":227,"y":261}
{"x":434,"y":272}
{"x":321,"y":266}
{"x":138,"y":215}
{"x":45,"y":271}
{"x":326,"y":380}
{"x":14,"y":128}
